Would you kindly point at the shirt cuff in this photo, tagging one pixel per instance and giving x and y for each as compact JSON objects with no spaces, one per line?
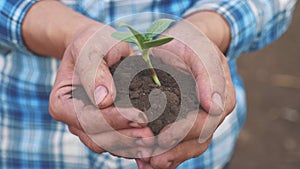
{"x":239,"y":16}
{"x":14,"y":13}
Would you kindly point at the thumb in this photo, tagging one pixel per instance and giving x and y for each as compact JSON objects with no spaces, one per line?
{"x":92,"y":61}
{"x":105,"y":91}
{"x":94,"y":75}
{"x":104,"y":88}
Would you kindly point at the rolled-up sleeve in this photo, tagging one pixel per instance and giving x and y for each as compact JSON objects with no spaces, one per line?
{"x":12,"y":13}
{"x":253,"y":23}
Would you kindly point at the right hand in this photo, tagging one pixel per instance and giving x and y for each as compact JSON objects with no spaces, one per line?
{"x":194,"y":53}
{"x":90,"y":116}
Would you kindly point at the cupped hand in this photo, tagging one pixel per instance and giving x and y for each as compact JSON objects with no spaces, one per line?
{"x":191,"y":51}
{"x":83,"y":94}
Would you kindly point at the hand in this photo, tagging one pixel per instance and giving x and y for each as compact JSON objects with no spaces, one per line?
{"x":191,"y":51}
{"x":83,"y":81}
{"x":52,"y":29}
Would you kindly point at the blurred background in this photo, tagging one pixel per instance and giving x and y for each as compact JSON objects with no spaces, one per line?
{"x":270,"y":138}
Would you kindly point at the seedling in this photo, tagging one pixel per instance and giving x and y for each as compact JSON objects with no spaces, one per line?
{"x":147,"y":40}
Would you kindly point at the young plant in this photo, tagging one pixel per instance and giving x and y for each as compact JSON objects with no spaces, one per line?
{"x":147,"y":40}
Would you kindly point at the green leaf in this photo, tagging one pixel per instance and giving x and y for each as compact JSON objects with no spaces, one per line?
{"x":158,"y":27}
{"x":124,"y":36}
{"x":139,"y":37}
{"x":157,"y":42}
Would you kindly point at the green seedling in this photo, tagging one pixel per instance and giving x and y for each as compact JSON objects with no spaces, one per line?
{"x":147,"y":40}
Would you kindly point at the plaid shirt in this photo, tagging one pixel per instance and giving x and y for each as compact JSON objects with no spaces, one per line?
{"x":30,"y":138}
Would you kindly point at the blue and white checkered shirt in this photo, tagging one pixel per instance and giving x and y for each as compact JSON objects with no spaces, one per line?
{"x":30,"y":138}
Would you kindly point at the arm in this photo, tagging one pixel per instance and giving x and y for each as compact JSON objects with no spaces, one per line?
{"x":39,"y":26}
{"x":50,"y":28}
{"x":234,"y":26}
{"x":253,"y":24}
{"x":214,"y":26}
{"x":44,"y":28}
{"x":12,"y":14}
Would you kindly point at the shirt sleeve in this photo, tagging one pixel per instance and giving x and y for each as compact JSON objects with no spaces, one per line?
{"x":12,"y":13}
{"x":253,"y":23}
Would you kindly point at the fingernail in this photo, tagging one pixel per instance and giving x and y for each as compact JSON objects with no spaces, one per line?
{"x":135,"y":125}
{"x":210,"y":125}
{"x":139,"y":154}
{"x":203,"y":137}
{"x":217,"y":99}
{"x":217,"y":105}
{"x":173,"y":142}
{"x":139,"y":142}
{"x":99,"y":94}
{"x":142,"y":118}
{"x":169,"y":164}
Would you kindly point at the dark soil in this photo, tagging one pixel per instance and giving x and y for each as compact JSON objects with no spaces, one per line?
{"x":162,"y":105}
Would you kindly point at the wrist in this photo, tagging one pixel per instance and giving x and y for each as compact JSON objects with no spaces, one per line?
{"x":77,"y":27}
{"x":49,"y":27}
{"x":214,"y":26}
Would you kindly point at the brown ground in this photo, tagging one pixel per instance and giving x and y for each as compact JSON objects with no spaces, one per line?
{"x":145,"y":95}
{"x":271,"y":136}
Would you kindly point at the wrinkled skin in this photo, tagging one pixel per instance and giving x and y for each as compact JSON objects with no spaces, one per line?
{"x":78,"y":68}
{"x":97,"y":125}
{"x":90,"y":116}
{"x":215,"y":108}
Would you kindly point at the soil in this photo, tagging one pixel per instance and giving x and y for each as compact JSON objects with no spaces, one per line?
{"x":162,"y":104}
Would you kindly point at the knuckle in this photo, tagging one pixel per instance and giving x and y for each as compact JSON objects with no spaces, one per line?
{"x":167,"y":141}
{"x":53,"y":108}
{"x":55,"y":104}
{"x":232,"y":102}
{"x":53,"y":114}
{"x":74,"y":47}
{"x":204,"y":146}
{"x":94,"y":147}
{"x":111,"y":120}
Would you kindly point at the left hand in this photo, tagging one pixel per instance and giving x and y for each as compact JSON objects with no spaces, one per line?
{"x":216,"y":108}
{"x":74,"y":99}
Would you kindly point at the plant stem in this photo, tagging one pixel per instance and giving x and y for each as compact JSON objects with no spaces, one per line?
{"x":146,"y":58}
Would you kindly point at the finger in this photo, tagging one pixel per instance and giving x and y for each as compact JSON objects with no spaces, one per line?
{"x":60,"y":103}
{"x":133,"y":143}
{"x":170,"y":58}
{"x":122,"y":118}
{"x":202,"y":56}
{"x":93,"y":120}
{"x":219,"y":109}
{"x":74,"y":112}
{"x":183,"y":151}
{"x":140,"y":163}
{"x":148,"y":166}
{"x":230,"y":99}
{"x":92,"y":61}
{"x":141,"y":153}
{"x":143,"y":165}
{"x":104,"y":89}
{"x":119,"y":50}
{"x":85,"y":139}
{"x":211,"y":98}
{"x":192,"y":127}
{"x":114,"y":141}
{"x":180,"y":56}
{"x":200,"y":126}
{"x":130,"y":143}
{"x":183,"y":129}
